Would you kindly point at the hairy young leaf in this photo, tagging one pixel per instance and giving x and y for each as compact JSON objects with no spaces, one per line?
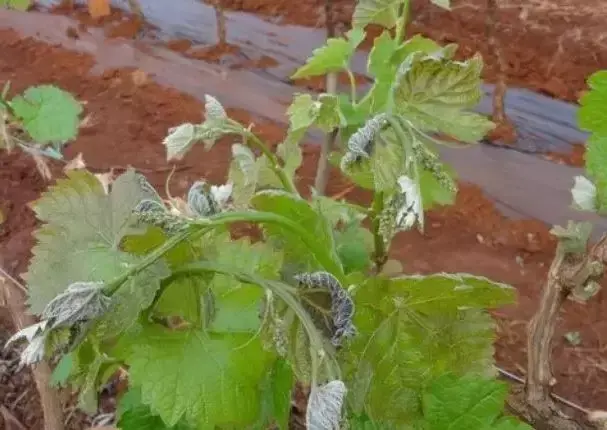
{"x":467,"y":402}
{"x":413,"y":329}
{"x":380,"y":12}
{"x":323,"y":255}
{"x":333,"y":56}
{"x":216,"y":124}
{"x":432,"y":93}
{"x":592,"y":117}
{"x":204,"y":378}
{"x":80,"y":241}
{"x":49,"y":114}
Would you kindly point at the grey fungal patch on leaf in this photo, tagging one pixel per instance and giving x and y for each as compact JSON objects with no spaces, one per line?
{"x":342,"y":305}
{"x":325,"y":406}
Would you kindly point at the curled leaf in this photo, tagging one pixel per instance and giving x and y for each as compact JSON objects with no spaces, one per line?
{"x":325,"y":405}
{"x":342,"y":305}
{"x":80,"y":302}
{"x":205,"y":201}
{"x":35,"y":334}
{"x":360,"y":144}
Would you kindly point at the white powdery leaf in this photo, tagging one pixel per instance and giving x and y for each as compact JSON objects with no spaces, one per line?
{"x":221,"y":194}
{"x":179,"y":140}
{"x":584,"y":194}
{"x":214,"y":110}
{"x":28,"y":333}
{"x":80,"y":302}
{"x":324,"y":406}
{"x":34,"y":352}
{"x":412,"y":209}
{"x":35,"y":334}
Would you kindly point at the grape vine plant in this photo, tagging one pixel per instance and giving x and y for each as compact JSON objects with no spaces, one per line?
{"x":40,"y":121}
{"x":215,"y":331}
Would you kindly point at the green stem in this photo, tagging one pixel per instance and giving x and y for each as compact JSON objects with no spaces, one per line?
{"x":199,"y":227}
{"x":401,"y":24}
{"x":151,"y":258}
{"x":286,"y":182}
{"x":353,"y":91}
{"x":380,"y":254}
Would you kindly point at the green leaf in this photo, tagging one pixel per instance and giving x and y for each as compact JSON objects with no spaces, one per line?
{"x":80,"y":241}
{"x":592,"y":117}
{"x":384,"y":59}
{"x":62,"y":371}
{"x":323,"y":113}
{"x":380,"y":12}
{"x":238,"y":305}
{"x":21,"y":5}
{"x":418,"y":43}
{"x":87,"y":396}
{"x":276,"y":400}
{"x":466,"y":403}
{"x":323,"y":255}
{"x":380,"y":57}
{"x":433,"y":92}
{"x":354,"y":247}
{"x":290,"y":153}
{"x":204,"y":378}
{"x":337,"y":211}
{"x":133,"y":415}
{"x":332,"y":57}
{"x":412,"y":330}
{"x":48,"y":113}
{"x":592,"y":114}
{"x":182,"y":298}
